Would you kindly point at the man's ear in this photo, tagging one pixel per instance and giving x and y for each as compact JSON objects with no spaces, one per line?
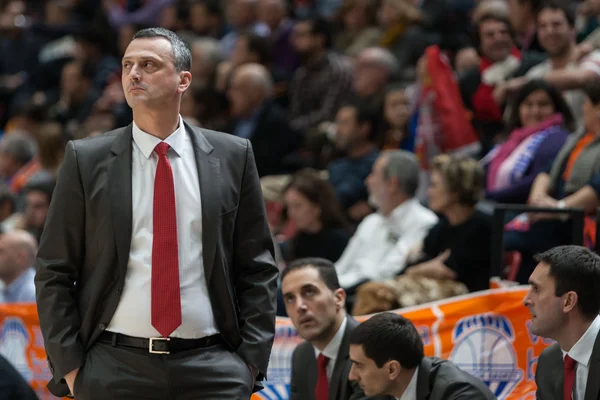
{"x":185,"y":80}
{"x":340,"y":298}
{"x":570,"y":300}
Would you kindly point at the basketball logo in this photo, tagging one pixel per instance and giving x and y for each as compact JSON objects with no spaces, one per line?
{"x":483,"y":348}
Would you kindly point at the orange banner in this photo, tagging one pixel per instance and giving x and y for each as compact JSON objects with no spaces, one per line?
{"x":487,"y":334}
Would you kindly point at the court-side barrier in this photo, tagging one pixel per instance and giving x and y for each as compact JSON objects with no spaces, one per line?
{"x":487,"y":334}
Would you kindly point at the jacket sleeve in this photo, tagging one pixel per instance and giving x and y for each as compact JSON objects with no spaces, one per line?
{"x":59,"y":259}
{"x":255,"y":271}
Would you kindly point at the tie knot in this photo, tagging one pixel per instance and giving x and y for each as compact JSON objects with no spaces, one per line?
{"x":322,"y":360}
{"x":569,"y":363}
{"x":161,"y":149}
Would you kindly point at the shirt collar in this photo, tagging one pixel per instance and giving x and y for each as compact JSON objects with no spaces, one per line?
{"x":582,"y":350}
{"x":410,"y":393}
{"x":16,"y":285}
{"x":146,"y":142}
{"x":331,"y":350}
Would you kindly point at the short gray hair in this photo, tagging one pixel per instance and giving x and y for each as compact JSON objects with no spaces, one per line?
{"x":383,"y":58}
{"x":182,"y":57}
{"x":259,"y":76}
{"x":211,"y":52}
{"x":18,"y":146}
{"x":403,"y":166}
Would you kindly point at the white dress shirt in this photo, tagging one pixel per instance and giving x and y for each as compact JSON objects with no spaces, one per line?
{"x":133,"y":314}
{"x":333,"y":347}
{"x":380,"y":246}
{"x":410,"y":393}
{"x":582,"y":352}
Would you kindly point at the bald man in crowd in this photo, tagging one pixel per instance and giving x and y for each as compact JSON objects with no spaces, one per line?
{"x":259,"y":119}
{"x":18,"y":249}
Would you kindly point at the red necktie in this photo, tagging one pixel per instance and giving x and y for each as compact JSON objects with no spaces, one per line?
{"x":166,"y":298}
{"x":569,"y":377}
{"x":322,"y":389}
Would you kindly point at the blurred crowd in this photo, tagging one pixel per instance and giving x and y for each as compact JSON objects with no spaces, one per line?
{"x":382,"y":129}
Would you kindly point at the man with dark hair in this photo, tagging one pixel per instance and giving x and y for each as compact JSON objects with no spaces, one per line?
{"x":387,"y":358}
{"x":316,"y":305}
{"x":564,"y":301}
{"x":156,"y":277}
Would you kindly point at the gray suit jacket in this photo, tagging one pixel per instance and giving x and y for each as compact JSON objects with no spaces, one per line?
{"x":549,"y":374}
{"x":84,"y":250}
{"x":304,"y":372}
{"x":439,"y":379}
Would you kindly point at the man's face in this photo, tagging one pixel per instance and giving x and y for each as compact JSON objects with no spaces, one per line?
{"x":8,"y":262}
{"x":241,"y":96}
{"x":241,"y":53}
{"x":311,"y":305}
{"x":496,"y":43}
{"x":554,"y":33}
{"x":377,"y":185}
{"x":36,"y":209}
{"x":369,"y":78}
{"x":347,"y":128}
{"x":149,"y":77}
{"x":373,"y":381}
{"x":303,"y":40}
{"x":70,"y":79}
{"x":546,"y":308}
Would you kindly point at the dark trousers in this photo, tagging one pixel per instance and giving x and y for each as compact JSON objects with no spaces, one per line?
{"x":129,"y":374}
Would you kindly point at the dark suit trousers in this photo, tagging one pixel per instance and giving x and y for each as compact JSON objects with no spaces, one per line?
{"x":129,"y":374}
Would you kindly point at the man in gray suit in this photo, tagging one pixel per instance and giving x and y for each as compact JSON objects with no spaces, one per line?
{"x":564,"y":301}
{"x":387,"y":358}
{"x":315,"y":302}
{"x":156,"y":277}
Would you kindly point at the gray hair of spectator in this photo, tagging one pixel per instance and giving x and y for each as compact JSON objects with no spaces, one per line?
{"x":26,"y":242}
{"x":19,"y":146}
{"x":259,"y":77}
{"x":182,"y":57}
{"x":381,"y":57}
{"x":403,"y":166}
{"x":209,"y":47}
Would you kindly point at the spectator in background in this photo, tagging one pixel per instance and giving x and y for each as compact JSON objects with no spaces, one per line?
{"x":388,"y":358}
{"x":38,"y":195}
{"x":8,"y":203}
{"x":320,"y":85}
{"x":259,"y":119}
{"x":539,"y":123}
{"x":273,"y":13}
{"x":355,"y":137}
{"x":242,"y":16}
{"x":205,"y":18}
{"x":17,"y":267}
{"x":321,"y":227}
{"x":16,"y":150}
{"x":522,"y":15}
{"x":374,"y":69}
{"x":359,"y":27}
{"x":380,"y":247}
{"x":397,"y":117}
{"x":206,"y":56}
{"x":315,"y":303}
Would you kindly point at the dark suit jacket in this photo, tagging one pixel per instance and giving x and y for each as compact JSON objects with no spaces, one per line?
{"x":12,"y":384}
{"x":87,"y":238}
{"x":272,"y":139}
{"x":549,"y":374}
{"x":304,"y":372}
{"x":439,"y":379}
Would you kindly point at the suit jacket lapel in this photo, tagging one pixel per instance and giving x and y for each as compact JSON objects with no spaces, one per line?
{"x":119,"y":187}
{"x":592,"y":388}
{"x":209,"y":175}
{"x":341,"y":361}
{"x":423,"y":388}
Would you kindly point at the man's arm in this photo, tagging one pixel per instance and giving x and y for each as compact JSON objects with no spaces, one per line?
{"x":59,"y":258}
{"x":256,"y":271}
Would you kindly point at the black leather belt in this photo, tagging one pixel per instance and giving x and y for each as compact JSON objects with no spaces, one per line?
{"x":159,"y":345}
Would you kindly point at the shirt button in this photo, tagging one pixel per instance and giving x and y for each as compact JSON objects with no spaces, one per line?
{"x":102,"y":327}
{"x":119,"y":289}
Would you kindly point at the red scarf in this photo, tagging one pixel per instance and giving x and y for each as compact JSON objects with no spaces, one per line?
{"x":485,"y":107}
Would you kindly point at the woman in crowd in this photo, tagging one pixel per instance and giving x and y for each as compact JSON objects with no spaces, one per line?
{"x":573,"y":181}
{"x":397,"y":109}
{"x":321,"y":229}
{"x":539,"y":122}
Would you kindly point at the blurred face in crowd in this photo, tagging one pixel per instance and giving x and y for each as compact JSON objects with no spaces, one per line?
{"x":591,"y":116}
{"x":304,"y":42}
{"x":349,"y":132}
{"x":242,"y":54}
{"x":271,"y":12}
{"x":303,"y":213}
{"x":149,"y":77}
{"x":380,"y":188}
{"x":536,"y":108}
{"x":9,"y":259}
{"x":369,"y":77}
{"x":438,"y":195}
{"x":355,"y":18}
{"x":554,"y":33}
{"x":546,"y":308}
{"x":496,"y":42}
{"x":244,"y":95}
{"x":71,"y":80}
{"x":519,"y":14}
{"x":199,"y":18}
{"x":311,"y":305}
{"x":36,"y":209}
{"x":8,"y":165}
{"x":388,"y":15}
{"x":374,"y":381}
{"x":396,"y":109}
{"x":241,"y":13}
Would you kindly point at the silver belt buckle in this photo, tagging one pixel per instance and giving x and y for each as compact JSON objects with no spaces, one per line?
{"x":151,"y":345}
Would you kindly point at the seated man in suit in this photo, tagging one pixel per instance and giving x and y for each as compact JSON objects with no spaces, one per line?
{"x":387,"y":358}
{"x":316,"y":304}
{"x":564,"y":301}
